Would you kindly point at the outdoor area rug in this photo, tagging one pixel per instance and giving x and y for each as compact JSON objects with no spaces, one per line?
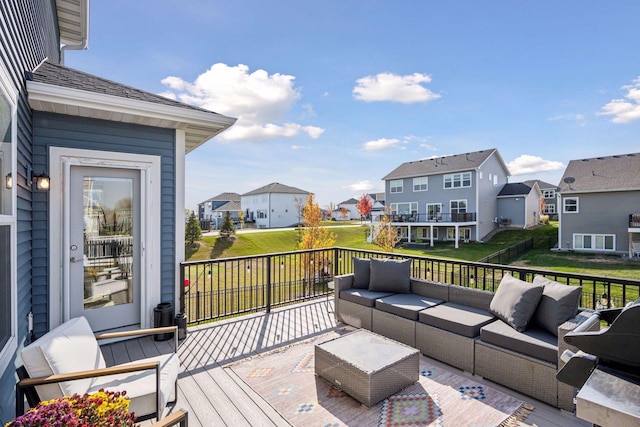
{"x":285,"y":379}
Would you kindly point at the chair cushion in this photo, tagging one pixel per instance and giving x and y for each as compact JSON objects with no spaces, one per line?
{"x":558,"y":303}
{"x":141,"y":386}
{"x":69,"y":347}
{"x":361,"y":268}
{"x":389,"y":275}
{"x":456,"y":318}
{"x":362,"y":296}
{"x":406,"y":305}
{"x":515,"y":301}
{"x":534,"y":342}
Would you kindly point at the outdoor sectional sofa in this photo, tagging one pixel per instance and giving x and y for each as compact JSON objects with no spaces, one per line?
{"x":513,"y":337}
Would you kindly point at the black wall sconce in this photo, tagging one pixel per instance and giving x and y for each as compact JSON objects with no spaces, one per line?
{"x":43,"y":182}
{"x":8,"y":181}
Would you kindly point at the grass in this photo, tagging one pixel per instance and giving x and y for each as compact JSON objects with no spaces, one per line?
{"x":246,"y":244}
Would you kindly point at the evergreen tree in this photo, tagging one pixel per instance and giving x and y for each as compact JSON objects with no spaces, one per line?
{"x":227,"y":228}
{"x":192,"y":232}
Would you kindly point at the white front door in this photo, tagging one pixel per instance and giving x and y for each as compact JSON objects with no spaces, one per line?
{"x":105,"y":236}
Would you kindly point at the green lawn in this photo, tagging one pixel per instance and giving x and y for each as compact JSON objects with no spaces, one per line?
{"x":246,"y":244}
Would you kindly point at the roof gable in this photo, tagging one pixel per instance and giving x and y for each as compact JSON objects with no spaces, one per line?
{"x":612,"y":173}
{"x":446,"y":164}
{"x":276,"y":187}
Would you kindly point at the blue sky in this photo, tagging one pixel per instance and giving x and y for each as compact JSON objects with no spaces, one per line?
{"x":332,"y":95}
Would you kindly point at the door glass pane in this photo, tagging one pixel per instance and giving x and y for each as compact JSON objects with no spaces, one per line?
{"x":6,"y":172}
{"x":108,"y":241}
{"x":5,"y":284}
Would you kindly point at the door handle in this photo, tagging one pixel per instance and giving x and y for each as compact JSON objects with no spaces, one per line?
{"x":74,"y":259}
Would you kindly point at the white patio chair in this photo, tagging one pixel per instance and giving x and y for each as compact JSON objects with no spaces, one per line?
{"x":68,"y":360}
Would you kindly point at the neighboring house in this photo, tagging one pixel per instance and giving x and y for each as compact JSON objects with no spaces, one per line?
{"x":446,"y":198}
{"x":92,"y":186}
{"x":274,"y":205}
{"x":378,"y":208}
{"x":350,"y":213}
{"x":519,"y":205}
{"x":549,"y":197}
{"x":215,"y":209}
{"x":599,"y":200}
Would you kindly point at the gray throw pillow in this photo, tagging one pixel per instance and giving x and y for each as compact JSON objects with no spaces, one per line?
{"x":515,"y":302}
{"x":361,"y":273}
{"x":558,"y":304}
{"x":389,"y":275}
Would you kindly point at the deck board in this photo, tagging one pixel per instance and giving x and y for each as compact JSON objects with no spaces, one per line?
{"x":215,"y":395}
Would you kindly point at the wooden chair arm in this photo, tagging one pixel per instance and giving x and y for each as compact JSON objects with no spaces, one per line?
{"x":141,"y":332}
{"x":180,"y":416}
{"x":93,"y":373}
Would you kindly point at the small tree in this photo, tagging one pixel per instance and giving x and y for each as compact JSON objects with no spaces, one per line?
{"x":385,"y":235}
{"x":364,"y":205}
{"x":314,"y":236}
{"x":330,"y":208}
{"x":344,"y":213}
{"x":227,"y":228}
{"x":192,"y":232}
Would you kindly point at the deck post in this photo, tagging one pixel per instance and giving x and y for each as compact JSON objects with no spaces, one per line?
{"x":268,"y":288}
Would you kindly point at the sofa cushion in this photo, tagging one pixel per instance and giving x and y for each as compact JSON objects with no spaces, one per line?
{"x":558,"y":303}
{"x":141,"y":386}
{"x":69,"y":347}
{"x":406,"y":305}
{"x":534,"y":342}
{"x":362,"y":296}
{"x":389,"y":275}
{"x":456,"y":318}
{"x":361,"y":269}
{"x":515,"y":301}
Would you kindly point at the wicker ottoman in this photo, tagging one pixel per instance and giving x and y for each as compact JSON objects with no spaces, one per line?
{"x":367,"y":366}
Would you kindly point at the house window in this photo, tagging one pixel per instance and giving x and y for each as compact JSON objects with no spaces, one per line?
{"x":427,"y":235}
{"x":395,"y":186}
{"x":457,"y":180}
{"x":550,"y":208}
{"x":464,"y":233}
{"x":404,"y":208}
{"x":599,"y":242}
{"x":434,"y":211}
{"x":570,"y":205}
{"x":495,"y":180}
{"x":8,"y":185}
{"x":261,"y":214}
{"x":458,"y":206}
{"x":549,"y":194}
{"x":420,"y":184}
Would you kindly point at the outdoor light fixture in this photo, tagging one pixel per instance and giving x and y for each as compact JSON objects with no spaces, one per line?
{"x":42,"y":181}
{"x":8,"y":181}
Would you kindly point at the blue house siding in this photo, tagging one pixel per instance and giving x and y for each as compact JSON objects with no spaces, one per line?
{"x":29,"y":36}
{"x":55,"y":130}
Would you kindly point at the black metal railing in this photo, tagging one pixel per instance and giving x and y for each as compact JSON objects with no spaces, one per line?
{"x":232,"y":286}
{"x":634,"y":220}
{"x":433,"y":217}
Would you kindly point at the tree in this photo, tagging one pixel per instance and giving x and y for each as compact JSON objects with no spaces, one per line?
{"x":344,"y":213}
{"x":314,"y":236}
{"x":330,"y":208}
{"x":241,"y":218}
{"x":385,"y":235}
{"x":192,"y":232}
{"x":364,"y":205}
{"x":227,"y":228}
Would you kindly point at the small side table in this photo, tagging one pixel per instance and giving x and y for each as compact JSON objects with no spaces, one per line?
{"x":609,"y":400}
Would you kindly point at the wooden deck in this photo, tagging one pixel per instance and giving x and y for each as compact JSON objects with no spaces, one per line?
{"x":214,"y":396}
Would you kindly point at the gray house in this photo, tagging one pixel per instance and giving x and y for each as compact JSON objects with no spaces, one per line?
{"x":215,"y":209}
{"x":92,"y":184}
{"x":519,"y":204}
{"x":447,"y":198}
{"x":549,"y":197}
{"x":599,"y":201}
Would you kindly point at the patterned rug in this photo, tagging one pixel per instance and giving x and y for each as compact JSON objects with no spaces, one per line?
{"x":285,"y":378}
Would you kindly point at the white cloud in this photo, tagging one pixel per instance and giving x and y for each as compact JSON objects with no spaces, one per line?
{"x":258,"y":100}
{"x":364,"y":185}
{"x":625,"y":110}
{"x":392,"y":87}
{"x":381,"y":144}
{"x":579,"y":119}
{"x":527,"y":164}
